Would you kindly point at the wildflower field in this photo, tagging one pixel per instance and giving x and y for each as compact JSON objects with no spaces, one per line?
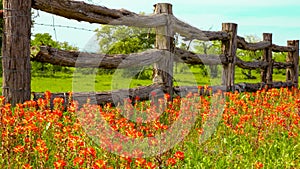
{"x":225,"y":130}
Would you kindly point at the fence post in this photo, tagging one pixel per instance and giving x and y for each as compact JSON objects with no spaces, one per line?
{"x":163,"y":70}
{"x":292,"y":73}
{"x":266,"y":73}
{"x":229,"y":50}
{"x":16,"y":51}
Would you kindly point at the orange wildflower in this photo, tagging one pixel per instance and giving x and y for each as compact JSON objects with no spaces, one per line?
{"x":26,"y":166}
{"x":59,"y":164}
{"x":78,"y":160}
{"x":179,"y":155}
{"x":171,"y":161}
{"x":259,"y":165}
{"x":140,"y":162}
{"x":19,"y":148}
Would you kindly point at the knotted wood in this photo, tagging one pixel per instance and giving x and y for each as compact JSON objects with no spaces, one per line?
{"x":229,"y":48}
{"x":16,"y":51}
{"x":292,"y":73}
{"x":266,"y":73}
{"x":163,"y":70}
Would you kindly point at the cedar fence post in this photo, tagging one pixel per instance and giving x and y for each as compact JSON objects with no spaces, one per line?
{"x":16,"y":51}
{"x":292,"y":73}
{"x":163,"y":70}
{"x":229,"y":50}
{"x":266,"y":73}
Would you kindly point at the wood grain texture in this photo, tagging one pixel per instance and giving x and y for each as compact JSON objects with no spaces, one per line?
{"x":115,"y":97}
{"x":189,"y":57}
{"x":164,"y":40}
{"x":277,"y":48}
{"x":240,"y":87}
{"x":189,"y":32}
{"x":152,"y":92}
{"x":16,"y":51}
{"x":243,"y":44}
{"x":228,"y":49}
{"x":266,"y":72}
{"x":122,"y":61}
{"x":92,"y":60}
{"x":81,"y":11}
{"x":292,"y":73}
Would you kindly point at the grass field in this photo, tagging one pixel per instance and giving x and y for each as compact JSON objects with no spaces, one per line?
{"x":61,"y":82}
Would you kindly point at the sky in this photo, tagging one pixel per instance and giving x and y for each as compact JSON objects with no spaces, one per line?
{"x":254,"y":17}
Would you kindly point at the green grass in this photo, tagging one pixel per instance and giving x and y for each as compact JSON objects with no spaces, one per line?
{"x":62,"y":82}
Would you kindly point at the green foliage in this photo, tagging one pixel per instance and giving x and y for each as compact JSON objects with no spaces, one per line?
{"x":46,"y":39}
{"x":279,"y":57}
{"x":125,"y":40}
{"x":251,"y":56}
{"x":207,"y":47}
{"x":210,"y":47}
{"x":46,"y":69}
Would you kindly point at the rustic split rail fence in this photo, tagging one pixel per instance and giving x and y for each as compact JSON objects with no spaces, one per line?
{"x":162,"y":57}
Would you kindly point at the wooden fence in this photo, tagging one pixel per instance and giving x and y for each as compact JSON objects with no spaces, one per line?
{"x":165,"y":52}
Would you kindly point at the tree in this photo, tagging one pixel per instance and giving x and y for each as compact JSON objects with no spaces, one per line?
{"x":46,"y":68}
{"x":279,"y":57}
{"x":208,"y":47}
{"x":214,"y":47}
{"x":247,"y":55}
{"x":125,"y":40}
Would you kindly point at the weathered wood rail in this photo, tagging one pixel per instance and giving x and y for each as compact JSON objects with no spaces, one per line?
{"x":121,"y":61}
{"x":149,"y":92}
{"x":166,"y":25}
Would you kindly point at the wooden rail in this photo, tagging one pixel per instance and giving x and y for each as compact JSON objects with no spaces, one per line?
{"x":82,"y":11}
{"x":92,"y":60}
{"x":155,"y":91}
{"x":242,"y":44}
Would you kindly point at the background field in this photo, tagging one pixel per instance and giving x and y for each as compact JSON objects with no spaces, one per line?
{"x":63,"y":82}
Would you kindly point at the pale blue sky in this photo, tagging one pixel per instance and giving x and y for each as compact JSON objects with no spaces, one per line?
{"x":254,"y":17}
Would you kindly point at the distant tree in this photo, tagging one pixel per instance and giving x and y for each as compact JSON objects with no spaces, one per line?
{"x":208,"y":47}
{"x":214,"y":47}
{"x":47,"y":68}
{"x":247,"y":55}
{"x":125,"y":40}
{"x":279,"y":57}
